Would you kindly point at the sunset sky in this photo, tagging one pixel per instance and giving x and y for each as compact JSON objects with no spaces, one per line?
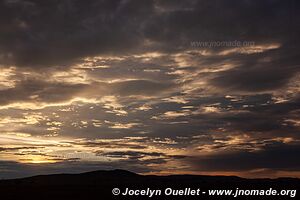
{"x":150,"y":86}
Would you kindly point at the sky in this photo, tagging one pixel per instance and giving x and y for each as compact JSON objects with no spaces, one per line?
{"x":151,"y":86}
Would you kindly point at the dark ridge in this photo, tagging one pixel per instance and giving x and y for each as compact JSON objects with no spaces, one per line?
{"x":99,"y":184}
{"x":116,"y":172}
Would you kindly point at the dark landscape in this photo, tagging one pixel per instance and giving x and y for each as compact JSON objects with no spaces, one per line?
{"x":99,"y":185}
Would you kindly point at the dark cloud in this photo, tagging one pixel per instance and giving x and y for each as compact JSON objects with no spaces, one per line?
{"x":2,"y":149}
{"x":255,"y":75}
{"x":142,"y":87}
{"x":112,"y":145}
{"x":138,"y":155}
{"x":50,"y":33}
{"x":275,"y":157}
{"x":129,"y":154}
{"x":39,"y":91}
{"x":265,"y":118}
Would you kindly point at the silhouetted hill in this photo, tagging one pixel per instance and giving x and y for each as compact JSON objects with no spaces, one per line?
{"x":99,"y":185}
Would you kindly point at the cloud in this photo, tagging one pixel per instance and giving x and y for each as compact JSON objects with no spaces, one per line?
{"x":130,"y":154}
{"x":39,"y":91}
{"x":61,"y":32}
{"x":257,"y":75}
{"x":274,"y":157}
{"x":142,"y":87}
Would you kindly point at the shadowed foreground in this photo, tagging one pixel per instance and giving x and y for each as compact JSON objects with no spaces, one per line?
{"x":99,"y":185}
